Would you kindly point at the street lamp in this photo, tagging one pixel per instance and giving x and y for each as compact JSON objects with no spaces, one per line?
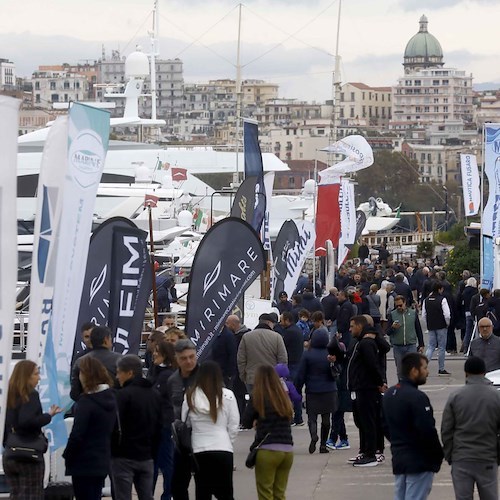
{"x":446,"y":208}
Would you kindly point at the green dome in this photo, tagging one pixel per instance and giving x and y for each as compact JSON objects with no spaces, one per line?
{"x":423,"y":50}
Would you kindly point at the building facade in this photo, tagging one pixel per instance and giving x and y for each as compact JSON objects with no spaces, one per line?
{"x":428,"y":92}
{"x":58,"y":86}
{"x":7,"y":75}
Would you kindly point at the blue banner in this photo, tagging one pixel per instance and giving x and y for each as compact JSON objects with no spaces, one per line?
{"x":488,"y":269}
{"x":255,"y":168}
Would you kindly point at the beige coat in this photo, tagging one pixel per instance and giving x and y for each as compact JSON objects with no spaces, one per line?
{"x":259,"y":347}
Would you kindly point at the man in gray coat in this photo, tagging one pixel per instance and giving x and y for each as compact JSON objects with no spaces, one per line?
{"x":487,"y":345}
{"x":262,"y":346}
{"x":469,"y":430}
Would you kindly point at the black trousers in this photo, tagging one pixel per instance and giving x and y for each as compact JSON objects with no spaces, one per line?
{"x":214,"y":475}
{"x":88,"y":487}
{"x":366,"y":410}
{"x":181,"y":476}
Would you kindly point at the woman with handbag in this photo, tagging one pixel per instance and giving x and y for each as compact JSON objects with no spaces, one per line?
{"x":212,"y":412}
{"x":88,"y":452}
{"x":23,"y":431}
{"x":270,"y":412}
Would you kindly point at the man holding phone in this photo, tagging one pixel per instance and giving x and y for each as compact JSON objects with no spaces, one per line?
{"x":404,"y":331}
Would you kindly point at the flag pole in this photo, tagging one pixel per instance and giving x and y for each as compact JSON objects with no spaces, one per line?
{"x":152,"y":254}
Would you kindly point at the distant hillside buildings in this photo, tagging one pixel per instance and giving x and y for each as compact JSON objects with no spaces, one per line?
{"x":431,"y":114}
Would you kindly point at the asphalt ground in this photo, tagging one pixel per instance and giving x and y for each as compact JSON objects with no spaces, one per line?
{"x":329,"y":476}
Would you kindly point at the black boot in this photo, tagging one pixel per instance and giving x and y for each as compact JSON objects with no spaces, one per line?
{"x":325,"y":430}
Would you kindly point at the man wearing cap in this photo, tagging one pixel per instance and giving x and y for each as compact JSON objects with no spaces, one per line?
{"x":469,"y":431}
{"x":487,"y":345}
{"x":262,"y":346}
{"x":284,"y":304}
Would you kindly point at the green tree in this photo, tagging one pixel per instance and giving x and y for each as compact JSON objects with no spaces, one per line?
{"x":460,"y":258}
{"x":390,"y":177}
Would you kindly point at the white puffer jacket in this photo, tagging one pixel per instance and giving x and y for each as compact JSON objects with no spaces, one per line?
{"x":207,"y":435}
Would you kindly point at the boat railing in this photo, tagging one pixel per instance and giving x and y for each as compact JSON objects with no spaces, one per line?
{"x":20,"y":335}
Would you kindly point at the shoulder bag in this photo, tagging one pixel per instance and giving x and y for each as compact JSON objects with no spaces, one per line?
{"x":181,"y":434}
{"x":252,"y":455}
{"x":25,"y":448}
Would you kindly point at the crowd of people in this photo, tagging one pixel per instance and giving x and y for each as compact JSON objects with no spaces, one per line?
{"x":324,"y":353}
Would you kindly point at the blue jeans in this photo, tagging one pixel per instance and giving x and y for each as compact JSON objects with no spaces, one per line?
{"x":413,"y":486}
{"x":437,"y":338}
{"x":399,"y":352}
{"x":165,"y":462}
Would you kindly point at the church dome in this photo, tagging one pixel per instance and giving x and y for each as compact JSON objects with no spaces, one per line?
{"x":423,"y":50}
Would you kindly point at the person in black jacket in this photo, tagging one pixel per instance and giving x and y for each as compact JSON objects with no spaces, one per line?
{"x":310,"y":302}
{"x":138,"y":431}
{"x":270,"y":412}
{"x":346,"y":312}
{"x":330,"y":305}
{"x":102,"y":343}
{"x":24,"y":416}
{"x":162,"y":369}
{"x":365,"y":379}
{"x":223,"y":352}
{"x":410,"y":427}
{"x":321,"y":388}
{"x":239,"y":388}
{"x":88,"y":452}
{"x":177,"y":384}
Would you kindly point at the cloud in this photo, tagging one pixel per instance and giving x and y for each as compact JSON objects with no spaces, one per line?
{"x":421,"y":5}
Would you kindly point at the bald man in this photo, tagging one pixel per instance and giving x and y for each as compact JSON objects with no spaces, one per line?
{"x":487,"y":345}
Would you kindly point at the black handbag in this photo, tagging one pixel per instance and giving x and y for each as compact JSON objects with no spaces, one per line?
{"x":181,"y":434}
{"x":59,"y":491}
{"x":24,"y":448}
{"x":252,"y":455}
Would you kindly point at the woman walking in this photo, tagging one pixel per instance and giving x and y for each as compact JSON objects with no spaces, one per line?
{"x":88,"y":452}
{"x":213,"y":413}
{"x":24,"y":417}
{"x":270,"y":412}
{"x":316,"y":374}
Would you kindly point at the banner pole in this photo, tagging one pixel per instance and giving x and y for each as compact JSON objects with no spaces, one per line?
{"x":152,"y":248}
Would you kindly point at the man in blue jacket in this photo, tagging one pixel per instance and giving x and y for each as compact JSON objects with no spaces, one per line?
{"x":410,"y":427}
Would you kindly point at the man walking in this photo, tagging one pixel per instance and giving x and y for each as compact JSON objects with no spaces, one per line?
{"x":135,"y":443}
{"x":262,"y":346}
{"x":436,"y":313}
{"x":469,"y":429}
{"x":410,"y":427}
{"x":404,"y":331}
{"x":365,"y":381}
{"x":487,"y":345}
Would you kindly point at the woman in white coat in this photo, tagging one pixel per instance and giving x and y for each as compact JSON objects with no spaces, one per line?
{"x":212,"y":411}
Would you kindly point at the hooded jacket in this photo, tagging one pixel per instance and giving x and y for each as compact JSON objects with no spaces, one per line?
{"x":208,"y":435}
{"x":88,"y":452}
{"x":314,"y":368}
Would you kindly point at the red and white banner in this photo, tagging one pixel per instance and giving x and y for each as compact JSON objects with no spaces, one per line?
{"x":347,"y":220}
{"x":327,"y":214}
{"x":9,"y":122}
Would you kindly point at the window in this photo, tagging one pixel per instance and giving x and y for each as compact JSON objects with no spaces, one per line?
{"x":52,"y":85}
{"x":291,"y":182}
{"x":66,"y":85}
{"x":54,"y":97}
{"x":342,"y":96}
{"x":37,"y":98}
{"x":352,"y":113}
{"x":352,"y":96}
{"x":37,"y":85}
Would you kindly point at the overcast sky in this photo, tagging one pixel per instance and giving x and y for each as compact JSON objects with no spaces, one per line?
{"x":289,"y":42}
